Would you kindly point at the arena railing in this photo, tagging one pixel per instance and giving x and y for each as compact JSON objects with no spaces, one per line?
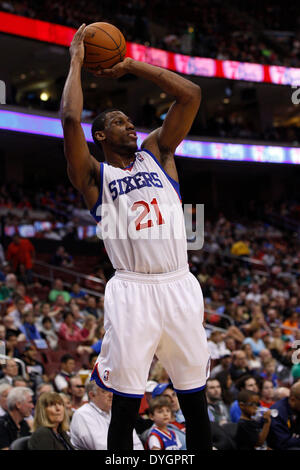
{"x":78,"y":276}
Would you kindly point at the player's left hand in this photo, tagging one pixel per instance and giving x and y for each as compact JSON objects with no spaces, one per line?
{"x":116,"y":71}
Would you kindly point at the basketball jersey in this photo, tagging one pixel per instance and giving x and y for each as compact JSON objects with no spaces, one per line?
{"x":140,"y":217}
{"x":168,"y":441}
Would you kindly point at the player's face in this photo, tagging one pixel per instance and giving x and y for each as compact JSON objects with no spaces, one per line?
{"x":120,"y":133}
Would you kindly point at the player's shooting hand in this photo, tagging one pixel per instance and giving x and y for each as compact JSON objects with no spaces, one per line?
{"x":77,"y":45}
{"x":116,"y":71}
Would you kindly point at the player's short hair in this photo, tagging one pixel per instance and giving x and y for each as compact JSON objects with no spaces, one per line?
{"x":99,"y":123}
{"x":159,"y":402}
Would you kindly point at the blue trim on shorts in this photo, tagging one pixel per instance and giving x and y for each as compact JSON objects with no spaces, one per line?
{"x":192,"y":390}
{"x":173,"y":182}
{"x":100,"y":384}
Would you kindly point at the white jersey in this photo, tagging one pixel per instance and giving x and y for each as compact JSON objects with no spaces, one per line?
{"x":140,"y":216}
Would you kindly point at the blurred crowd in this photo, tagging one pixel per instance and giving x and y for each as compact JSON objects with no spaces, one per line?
{"x":208,"y":28}
{"x":249,"y":274}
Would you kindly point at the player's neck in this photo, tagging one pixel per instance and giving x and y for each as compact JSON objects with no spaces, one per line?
{"x":119,"y":160}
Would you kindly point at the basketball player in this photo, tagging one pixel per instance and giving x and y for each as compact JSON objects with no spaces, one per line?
{"x":153,"y":304}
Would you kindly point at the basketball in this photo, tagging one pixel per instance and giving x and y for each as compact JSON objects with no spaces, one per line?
{"x":105,"y":46}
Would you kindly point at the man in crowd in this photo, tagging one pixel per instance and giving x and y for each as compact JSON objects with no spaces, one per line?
{"x":62,"y":379}
{"x":285,"y":428}
{"x":4,"y":391}
{"x":90,"y":422}
{"x":10,"y":370}
{"x":217,"y":410}
{"x":77,"y":391}
{"x":13,"y":424}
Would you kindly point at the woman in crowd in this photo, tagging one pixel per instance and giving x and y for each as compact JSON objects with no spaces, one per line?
{"x":50,"y":425}
{"x":267,"y":393}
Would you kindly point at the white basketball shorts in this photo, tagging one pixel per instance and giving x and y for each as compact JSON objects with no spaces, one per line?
{"x":148,"y":314}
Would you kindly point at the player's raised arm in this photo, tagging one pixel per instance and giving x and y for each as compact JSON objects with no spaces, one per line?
{"x":181,"y":114}
{"x":83,"y":168}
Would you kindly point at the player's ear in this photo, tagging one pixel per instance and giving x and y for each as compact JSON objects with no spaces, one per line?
{"x":100,"y":135}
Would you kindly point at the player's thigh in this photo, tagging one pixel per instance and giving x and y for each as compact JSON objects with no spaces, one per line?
{"x":129,"y":319}
{"x":183,"y":348}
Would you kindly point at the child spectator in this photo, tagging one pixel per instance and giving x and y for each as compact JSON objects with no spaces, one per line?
{"x":250,"y":434}
{"x":160,"y":437}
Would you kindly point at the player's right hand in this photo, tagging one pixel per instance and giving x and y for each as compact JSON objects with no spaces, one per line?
{"x":77,"y":45}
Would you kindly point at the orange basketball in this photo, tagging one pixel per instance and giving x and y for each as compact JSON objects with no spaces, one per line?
{"x":105,"y":46}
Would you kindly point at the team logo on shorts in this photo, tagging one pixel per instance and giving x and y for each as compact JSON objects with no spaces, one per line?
{"x":106,"y":375}
{"x":139,"y":157}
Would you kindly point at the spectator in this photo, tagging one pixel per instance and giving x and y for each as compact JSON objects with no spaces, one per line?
{"x":217,"y":410}
{"x":223,"y":365}
{"x":77,"y":292}
{"x":267,"y":394}
{"x":160,"y":436}
{"x":291,"y":325}
{"x":159,"y":373}
{"x":88,"y":330}
{"x":239,"y":365}
{"x":285,"y":429}
{"x":216,"y":345}
{"x":58,"y":289}
{"x":247,"y":382}
{"x":90,"y":422}
{"x":17,"y":313}
{"x":68,"y":405}
{"x":51,"y":424}
{"x":4,"y":391}
{"x":20,"y":381}
{"x":28,"y":327}
{"x":62,"y":258}
{"x":280,"y":393}
{"x":34,"y":368}
{"x":43,"y":387}
{"x":10,"y":370}
{"x":241,"y":248}
{"x":13,"y":424}
{"x":47,"y":332}
{"x":68,"y":330}
{"x":62,"y":379}
{"x":21,"y":251}
{"x":12,"y":342}
{"x":254,"y":363}
{"x":167,"y":390}
{"x":91,"y":307}
{"x":8,"y":289}
{"x":77,"y":391}
{"x":250,"y":434}
{"x":226,"y":383}
{"x":269,"y":371}
{"x":177,"y":422}
{"x":255,"y":341}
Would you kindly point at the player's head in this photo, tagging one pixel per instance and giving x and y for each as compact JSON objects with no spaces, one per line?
{"x":160,"y":410}
{"x":114,"y":130}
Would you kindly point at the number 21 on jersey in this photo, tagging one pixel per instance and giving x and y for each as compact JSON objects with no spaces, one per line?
{"x":158,"y":220}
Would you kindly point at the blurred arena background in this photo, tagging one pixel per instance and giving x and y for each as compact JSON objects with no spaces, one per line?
{"x":241,"y":160}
